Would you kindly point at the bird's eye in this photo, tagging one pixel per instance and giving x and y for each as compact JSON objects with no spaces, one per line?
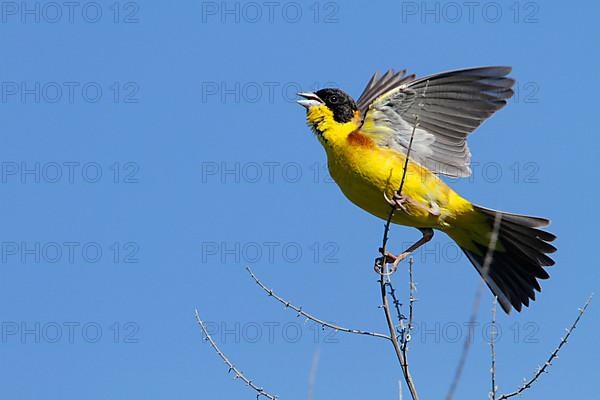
{"x":333,"y":99}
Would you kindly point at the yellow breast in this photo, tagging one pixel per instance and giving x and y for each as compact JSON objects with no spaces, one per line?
{"x":365,"y":171}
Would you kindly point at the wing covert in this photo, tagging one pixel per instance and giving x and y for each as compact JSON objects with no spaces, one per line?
{"x":446,"y":107}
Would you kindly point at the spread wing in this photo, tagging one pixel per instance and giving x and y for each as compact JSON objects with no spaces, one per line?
{"x":445,"y":107}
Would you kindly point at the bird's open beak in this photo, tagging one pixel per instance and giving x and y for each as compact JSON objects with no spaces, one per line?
{"x":311,"y":100}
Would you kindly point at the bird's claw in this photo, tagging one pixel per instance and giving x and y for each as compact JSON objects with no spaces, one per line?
{"x":380,"y":263}
{"x":398,"y":201}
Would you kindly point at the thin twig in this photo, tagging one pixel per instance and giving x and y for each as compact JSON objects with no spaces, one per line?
{"x":388,"y":222}
{"x":492,"y":347}
{"x":487,"y":261}
{"x":311,"y":317}
{"x":394,"y":337}
{"x":541,"y":370}
{"x":407,"y":332}
{"x":238,"y":374}
{"x":385,"y":273}
{"x":411,"y":301}
{"x":397,"y":304}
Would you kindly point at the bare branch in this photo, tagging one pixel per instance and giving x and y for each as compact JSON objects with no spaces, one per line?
{"x":487,"y":261}
{"x":382,"y":266}
{"x":238,"y":374}
{"x":541,"y":370}
{"x":492,"y":348}
{"x":394,"y":338}
{"x":311,"y":317}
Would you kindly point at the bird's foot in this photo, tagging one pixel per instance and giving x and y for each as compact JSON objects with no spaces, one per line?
{"x":398,"y":201}
{"x":388,"y":258}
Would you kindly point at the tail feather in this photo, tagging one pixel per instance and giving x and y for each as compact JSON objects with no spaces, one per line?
{"x":518,"y":260}
{"x":534,"y":251}
{"x":534,"y":237}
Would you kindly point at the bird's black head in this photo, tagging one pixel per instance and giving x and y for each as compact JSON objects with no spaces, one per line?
{"x":340,"y":103}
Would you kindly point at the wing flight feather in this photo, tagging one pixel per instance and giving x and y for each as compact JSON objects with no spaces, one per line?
{"x":446,"y":107}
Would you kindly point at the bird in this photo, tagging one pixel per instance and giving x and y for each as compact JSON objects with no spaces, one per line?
{"x":410,"y":132}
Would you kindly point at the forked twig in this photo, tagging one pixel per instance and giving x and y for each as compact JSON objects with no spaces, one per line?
{"x":311,"y":317}
{"x":394,"y":338}
{"x":238,"y":374}
{"x":541,"y":370}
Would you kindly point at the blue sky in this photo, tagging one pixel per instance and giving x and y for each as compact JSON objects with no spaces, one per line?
{"x":152,"y":151}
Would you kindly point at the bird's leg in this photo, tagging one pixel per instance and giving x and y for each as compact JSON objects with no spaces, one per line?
{"x":395,"y":260}
{"x":427,"y":235}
